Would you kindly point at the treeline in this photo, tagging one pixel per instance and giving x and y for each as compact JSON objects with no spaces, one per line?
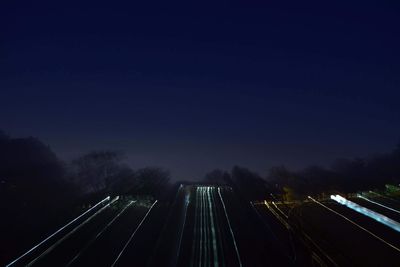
{"x":344,"y":175}
{"x":248,"y":184}
{"x":104,"y":171}
{"x":35,"y":182}
{"x":39,"y":192}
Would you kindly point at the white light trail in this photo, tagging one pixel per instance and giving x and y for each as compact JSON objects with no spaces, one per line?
{"x":206,"y":231}
{"x":281,"y":211}
{"x":195,"y":230}
{"x":201,"y":226}
{"x":71,"y":232}
{"x":367,"y":212}
{"x":207,"y":218}
{"x":277,"y":215}
{"x":100,"y":233}
{"x":214,"y":242}
{"x":376,"y":203}
{"x":218,"y":229}
{"x":133,"y":234}
{"x":187,"y":201}
{"x":356,"y":224}
{"x":230,"y":228}
{"x":56,"y":232}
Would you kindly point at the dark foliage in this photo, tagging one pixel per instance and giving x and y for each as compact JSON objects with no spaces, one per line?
{"x":151,"y":181}
{"x":345,"y":175}
{"x":218,"y":177}
{"x":249,"y":184}
{"x":31,"y":174}
{"x":104,"y":171}
{"x":33,"y":191}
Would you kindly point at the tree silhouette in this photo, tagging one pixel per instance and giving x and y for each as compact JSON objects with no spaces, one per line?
{"x":97,"y":170}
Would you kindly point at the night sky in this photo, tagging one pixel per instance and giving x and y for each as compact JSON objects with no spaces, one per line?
{"x":195,"y":87}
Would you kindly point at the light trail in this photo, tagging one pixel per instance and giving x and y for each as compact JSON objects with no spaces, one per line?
{"x":207,"y":218}
{"x":71,"y":232}
{"x":205,"y":227}
{"x":195,"y":230}
{"x":133,"y":234}
{"x":380,"y":195}
{"x":206,"y":230}
{"x":279,"y":241}
{"x":217,"y":221}
{"x":230,"y":227}
{"x":277,"y":215}
{"x":356,"y":224}
{"x":187,"y":201}
{"x":201,"y":227}
{"x":281,"y":211}
{"x":367,"y":212}
{"x":376,"y":203}
{"x":214,"y":242}
{"x":56,"y":232}
{"x":99,"y":234}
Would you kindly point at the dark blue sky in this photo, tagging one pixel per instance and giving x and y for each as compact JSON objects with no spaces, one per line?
{"x":194,"y":87}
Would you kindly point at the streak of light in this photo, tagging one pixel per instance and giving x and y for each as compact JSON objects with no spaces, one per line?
{"x":100,"y":233}
{"x":279,"y":241}
{"x":201,"y":226}
{"x":230,"y":227}
{"x":214,"y":242}
{"x":56,"y":232}
{"x":207,"y":225}
{"x":71,"y":232}
{"x":380,"y":195}
{"x":187,"y":201}
{"x":367,"y":212}
{"x":376,"y":203}
{"x":356,"y":224}
{"x":195,"y":230}
{"x":281,"y":211}
{"x":217,"y":223}
{"x":320,"y":249}
{"x":277,"y":215}
{"x":133,"y":234}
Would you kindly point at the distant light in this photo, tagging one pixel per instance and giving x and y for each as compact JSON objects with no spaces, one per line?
{"x":367,"y":212}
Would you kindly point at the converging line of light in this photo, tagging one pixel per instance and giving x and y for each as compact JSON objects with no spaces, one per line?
{"x":207,"y":224}
{"x":384,"y":196}
{"x":281,"y":211}
{"x":185,"y":208}
{"x":196,"y":232}
{"x":71,"y":232}
{"x":133,"y":234}
{"x":356,"y":224}
{"x":376,"y":203}
{"x":230,"y":228}
{"x":56,"y":232}
{"x":100,"y":233}
{"x":217,"y":224}
{"x":367,"y":212}
{"x":277,"y":215}
{"x":214,"y":242}
{"x":201,"y":225}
